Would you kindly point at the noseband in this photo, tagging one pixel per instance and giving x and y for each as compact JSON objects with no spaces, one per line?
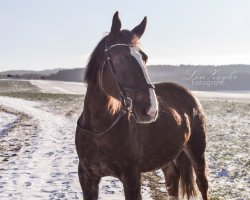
{"x":127,"y":102}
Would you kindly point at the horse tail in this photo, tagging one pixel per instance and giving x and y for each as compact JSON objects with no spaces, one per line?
{"x":187,"y":179}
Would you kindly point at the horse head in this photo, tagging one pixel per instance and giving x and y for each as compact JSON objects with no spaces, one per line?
{"x":124,"y":75}
{"x":122,"y":71}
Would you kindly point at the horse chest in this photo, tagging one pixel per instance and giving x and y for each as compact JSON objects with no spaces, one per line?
{"x":102,"y":156}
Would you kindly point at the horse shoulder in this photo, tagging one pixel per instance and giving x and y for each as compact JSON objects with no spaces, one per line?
{"x":179,"y":104}
{"x":177,"y":97}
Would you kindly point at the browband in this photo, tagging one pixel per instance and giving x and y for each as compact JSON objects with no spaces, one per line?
{"x":114,"y":45}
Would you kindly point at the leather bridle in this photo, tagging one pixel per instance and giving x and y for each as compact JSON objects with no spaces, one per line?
{"x":126,"y":102}
{"x":123,"y":90}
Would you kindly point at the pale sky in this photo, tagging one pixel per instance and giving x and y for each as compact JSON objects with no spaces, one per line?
{"x":42,"y":34}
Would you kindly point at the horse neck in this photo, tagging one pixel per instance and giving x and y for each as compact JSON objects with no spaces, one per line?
{"x":96,"y":113}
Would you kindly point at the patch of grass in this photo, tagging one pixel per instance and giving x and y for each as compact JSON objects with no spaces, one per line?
{"x":25,"y":90}
{"x":17,"y":86}
{"x":66,"y":104}
{"x":45,"y":97}
{"x":214,"y":198}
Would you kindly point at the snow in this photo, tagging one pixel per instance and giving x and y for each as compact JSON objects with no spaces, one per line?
{"x":47,"y":86}
{"x":6,"y":121}
{"x":224,"y":94}
{"x":47,"y":169}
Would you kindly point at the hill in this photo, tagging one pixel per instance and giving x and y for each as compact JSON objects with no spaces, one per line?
{"x":202,"y":77}
{"x":75,"y":75}
{"x":27,"y":72}
{"x":224,"y":77}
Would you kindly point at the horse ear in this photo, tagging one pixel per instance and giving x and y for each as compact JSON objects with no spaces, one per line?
{"x":139,"y":30}
{"x":116,"y":25}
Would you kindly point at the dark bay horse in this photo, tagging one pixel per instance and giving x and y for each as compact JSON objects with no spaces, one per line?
{"x":129,"y":126}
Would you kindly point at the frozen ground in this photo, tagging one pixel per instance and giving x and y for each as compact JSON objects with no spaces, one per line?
{"x":45,"y":168}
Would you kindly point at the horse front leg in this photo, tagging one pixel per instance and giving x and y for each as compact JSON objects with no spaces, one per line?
{"x":132,"y":186}
{"x":89,"y":184}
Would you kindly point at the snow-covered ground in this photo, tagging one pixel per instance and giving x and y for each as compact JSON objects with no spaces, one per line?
{"x":223,"y":94}
{"x":59,"y":87}
{"x":47,"y":169}
{"x":6,"y":121}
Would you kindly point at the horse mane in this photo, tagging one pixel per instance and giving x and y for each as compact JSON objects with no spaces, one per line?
{"x":94,"y":62}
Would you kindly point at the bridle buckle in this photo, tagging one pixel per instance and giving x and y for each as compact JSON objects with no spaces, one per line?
{"x":126,"y":101}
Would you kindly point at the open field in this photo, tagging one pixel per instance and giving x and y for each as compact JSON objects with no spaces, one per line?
{"x":38,"y":159}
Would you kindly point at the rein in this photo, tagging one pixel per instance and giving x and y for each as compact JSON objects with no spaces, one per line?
{"x":121,"y":114}
{"x":127,"y":102}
